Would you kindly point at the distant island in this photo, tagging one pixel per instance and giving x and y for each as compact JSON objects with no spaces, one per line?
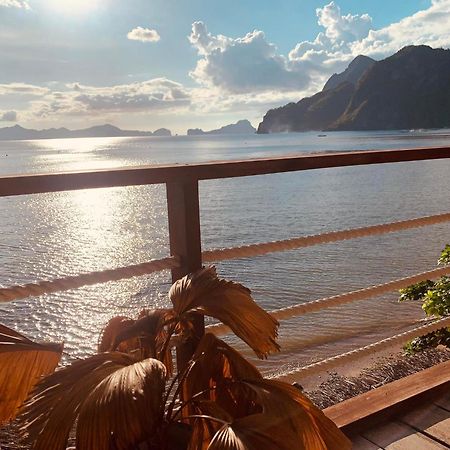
{"x":19,"y":133}
{"x":240,"y":127}
{"x":409,"y":90}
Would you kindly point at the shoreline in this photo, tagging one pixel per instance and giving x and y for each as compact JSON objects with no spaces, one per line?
{"x":370,"y":373}
{"x":350,"y":370}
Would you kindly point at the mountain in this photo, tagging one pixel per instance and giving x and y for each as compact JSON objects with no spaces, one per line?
{"x":240,"y":127}
{"x":162,"y":132}
{"x":351,"y":74}
{"x":410,"y":89}
{"x":310,"y":113}
{"x":19,"y":133}
{"x":322,"y":109}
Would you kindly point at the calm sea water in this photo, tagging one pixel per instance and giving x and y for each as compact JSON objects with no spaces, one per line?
{"x":52,"y":235}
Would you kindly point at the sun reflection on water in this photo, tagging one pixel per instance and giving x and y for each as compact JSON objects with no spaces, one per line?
{"x":104,"y":231}
{"x":76,"y":154}
{"x":80,"y":145}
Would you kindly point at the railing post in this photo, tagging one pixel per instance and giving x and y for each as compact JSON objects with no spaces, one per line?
{"x":185,"y":242}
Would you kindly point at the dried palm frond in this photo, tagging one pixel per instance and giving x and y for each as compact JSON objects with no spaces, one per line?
{"x":22,"y":363}
{"x":229,"y":302}
{"x":147,"y":334}
{"x":128,"y":394}
{"x":214,"y":363}
{"x":234,"y":407}
{"x":113,"y":328}
{"x":329,"y":432}
{"x":125,"y":409}
{"x":287,"y":420}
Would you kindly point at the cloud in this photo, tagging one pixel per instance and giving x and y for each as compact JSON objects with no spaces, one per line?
{"x":143,"y":35}
{"x":159,"y":94}
{"x":245,"y":64}
{"x":347,"y":36}
{"x":15,"y":4}
{"x":340,"y":28}
{"x":428,"y":27}
{"x":8,"y":116}
{"x":252,"y":65}
{"x":22,"y":89}
{"x":331,"y":50}
{"x":208,"y":101}
{"x":244,"y":74}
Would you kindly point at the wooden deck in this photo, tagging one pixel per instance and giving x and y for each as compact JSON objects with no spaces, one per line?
{"x":408,"y":414}
{"x":426,"y":427}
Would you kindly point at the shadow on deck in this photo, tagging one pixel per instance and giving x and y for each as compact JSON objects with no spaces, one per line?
{"x":408,"y":414}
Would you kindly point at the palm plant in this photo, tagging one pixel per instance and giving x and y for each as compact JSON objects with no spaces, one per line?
{"x":126,"y":397}
{"x":22,"y":363}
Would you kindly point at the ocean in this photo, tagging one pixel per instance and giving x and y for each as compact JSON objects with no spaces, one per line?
{"x":57,"y":234}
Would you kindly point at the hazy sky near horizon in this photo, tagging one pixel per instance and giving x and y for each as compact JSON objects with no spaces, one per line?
{"x":179,"y":64}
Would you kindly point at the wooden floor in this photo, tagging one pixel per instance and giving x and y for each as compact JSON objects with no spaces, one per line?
{"x":412,"y":413}
{"x":423,"y":428}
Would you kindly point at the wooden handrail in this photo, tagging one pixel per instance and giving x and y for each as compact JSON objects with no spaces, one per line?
{"x":68,"y":181}
{"x":182,"y":192}
{"x":355,"y":414}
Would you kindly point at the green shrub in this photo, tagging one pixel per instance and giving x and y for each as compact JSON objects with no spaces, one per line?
{"x":435,"y":298}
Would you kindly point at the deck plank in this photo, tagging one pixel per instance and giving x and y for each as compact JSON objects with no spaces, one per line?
{"x":398,"y":436}
{"x":443,"y":402}
{"x":361,"y":443}
{"x":431,"y":419}
{"x":372,"y":402}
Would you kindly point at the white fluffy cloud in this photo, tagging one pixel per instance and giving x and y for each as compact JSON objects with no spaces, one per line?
{"x":15,"y":4}
{"x":242,"y":65}
{"x":159,"y":94}
{"x":347,"y":36}
{"x":251,"y":64}
{"x":8,"y":116}
{"x":429,"y":27}
{"x":143,"y":35}
{"x":249,"y":70}
{"x":340,"y":28}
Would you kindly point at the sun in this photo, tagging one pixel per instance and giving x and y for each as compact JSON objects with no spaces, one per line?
{"x":73,"y":7}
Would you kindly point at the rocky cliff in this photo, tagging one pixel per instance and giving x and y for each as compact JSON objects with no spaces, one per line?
{"x":410,"y":89}
{"x":351,"y":74}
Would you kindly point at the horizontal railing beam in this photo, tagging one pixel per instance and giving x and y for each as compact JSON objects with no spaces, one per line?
{"x":68,"y":181}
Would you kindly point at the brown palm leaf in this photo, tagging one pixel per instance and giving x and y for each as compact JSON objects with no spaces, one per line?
{"x":50,"y":415}
{"x":203,"y":428}
{"x":331,"y":435}
{"x":215,"y":363}
{"x":229,"y":302}
{"x":124,"y":409}
{"x":148,"y":334}
{"x":287,"y":420}
{"x":22,"y":363}
{"x":113,"y":328}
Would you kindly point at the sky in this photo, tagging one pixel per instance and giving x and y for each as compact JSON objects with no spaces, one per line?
{"x":179,"y":64}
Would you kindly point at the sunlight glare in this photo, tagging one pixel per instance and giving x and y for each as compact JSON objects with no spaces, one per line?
{"x":73,"y":7}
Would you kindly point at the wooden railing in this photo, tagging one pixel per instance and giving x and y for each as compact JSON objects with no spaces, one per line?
{"x":183,"y":199}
